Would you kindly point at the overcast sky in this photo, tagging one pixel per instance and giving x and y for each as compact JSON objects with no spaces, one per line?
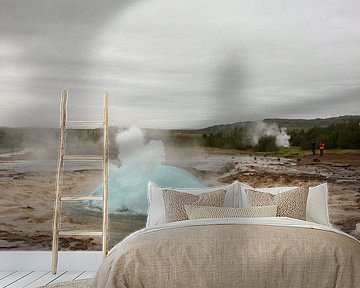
{"x":178,"y":64}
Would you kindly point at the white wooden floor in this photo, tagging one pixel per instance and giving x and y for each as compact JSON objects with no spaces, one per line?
{"x":32,"y":268}
{"x":32,"y":279}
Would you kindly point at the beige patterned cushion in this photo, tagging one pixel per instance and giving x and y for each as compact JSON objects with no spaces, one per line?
{"x":290,"y":204}
{"x":201,"y":212}
{"x":174,"y":202}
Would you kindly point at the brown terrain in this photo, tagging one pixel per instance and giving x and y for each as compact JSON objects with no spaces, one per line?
{"x":343,"y":178}
{"x":27,"y":198}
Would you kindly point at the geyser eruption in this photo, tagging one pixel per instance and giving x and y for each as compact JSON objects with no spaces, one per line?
{"x":260,"y":129}
{"x":141,"y":162}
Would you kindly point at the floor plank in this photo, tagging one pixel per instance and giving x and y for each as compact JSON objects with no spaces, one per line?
{"x":49,"y":277}
{"x":34,"y":279}
{"x":87,"y":274}
{"x":42,"y":260}
{"x":28,"y":279}
{"x":4,"y":274}
{"x":13,"y":277}
{"x":68,"y":276}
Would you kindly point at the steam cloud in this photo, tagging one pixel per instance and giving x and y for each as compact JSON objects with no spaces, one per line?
{"x":141,"y":162}
{"x":134,"y":153}
{"x":260,"y":129}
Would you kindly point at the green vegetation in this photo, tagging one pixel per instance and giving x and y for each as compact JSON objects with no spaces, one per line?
{"x":10,"y":139}
{"x":343,"y":135}
{"x":235,"y":139}
{"x":266,"y":144}
{"x":281,"y":151}
{"x":336,"y":136}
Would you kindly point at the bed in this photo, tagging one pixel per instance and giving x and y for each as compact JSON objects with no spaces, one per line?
{"x":234,"y":251}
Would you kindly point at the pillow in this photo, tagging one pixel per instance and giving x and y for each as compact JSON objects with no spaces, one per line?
{"x":290,"y":204}
{"x":156,"y":211}
{"x":272,"y":190}
{"x":201,"y":212}
{"x":175,"y":201}
{"x":317,"y":203}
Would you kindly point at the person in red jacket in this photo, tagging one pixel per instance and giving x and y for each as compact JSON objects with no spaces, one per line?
{"x":322,"y":147}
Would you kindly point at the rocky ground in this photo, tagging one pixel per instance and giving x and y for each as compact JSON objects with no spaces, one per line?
{"x":27,"y":198}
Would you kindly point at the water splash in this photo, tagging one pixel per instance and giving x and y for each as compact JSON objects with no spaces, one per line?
{"x":141,"y":162}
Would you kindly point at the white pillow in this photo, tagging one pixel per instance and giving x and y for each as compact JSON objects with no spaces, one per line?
{"x":317,"y":202}
{"x":156,"y":211}
{"x":317,"y":205}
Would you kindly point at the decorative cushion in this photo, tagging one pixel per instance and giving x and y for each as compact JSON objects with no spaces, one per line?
{"x":290,"y":204}
{"x":201,"y":212}
{"x":175,"y":201}
{"x":317,"y":210}
{"x":156,"y":212}
{"x":272,"y":190}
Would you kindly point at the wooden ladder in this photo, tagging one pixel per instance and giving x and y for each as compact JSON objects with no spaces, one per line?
{"x":57,"y":231}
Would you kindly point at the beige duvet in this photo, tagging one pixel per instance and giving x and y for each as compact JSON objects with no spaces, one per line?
{"x":233,"y":254}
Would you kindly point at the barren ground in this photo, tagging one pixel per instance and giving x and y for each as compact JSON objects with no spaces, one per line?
{"x":27,"y":198}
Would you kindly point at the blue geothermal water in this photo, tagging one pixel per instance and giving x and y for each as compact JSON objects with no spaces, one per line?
{"x":128,"y":187}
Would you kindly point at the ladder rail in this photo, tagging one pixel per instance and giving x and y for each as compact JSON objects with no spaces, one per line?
{"x":59,"y":180}
{"x":105,"y":177}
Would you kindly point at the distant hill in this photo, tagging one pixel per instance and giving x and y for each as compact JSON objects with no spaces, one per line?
{"x":290,"y":124}
{"x":20,"y":138}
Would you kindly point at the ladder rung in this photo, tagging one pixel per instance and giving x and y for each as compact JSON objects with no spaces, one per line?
{"x":79,"y":233}
{"x":81,"y":198}
{"x":83,"y":157}
{"x":86,"y":122}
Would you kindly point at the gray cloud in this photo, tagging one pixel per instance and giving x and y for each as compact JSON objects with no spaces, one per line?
{"x":53,"y":39}
{"x":179,"y":64}
{"x":230,"y":80}
{"x":322,"y":103}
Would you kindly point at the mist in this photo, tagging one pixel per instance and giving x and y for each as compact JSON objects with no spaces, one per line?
{"x":259,"y":129}
{"x":137,"y":155}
